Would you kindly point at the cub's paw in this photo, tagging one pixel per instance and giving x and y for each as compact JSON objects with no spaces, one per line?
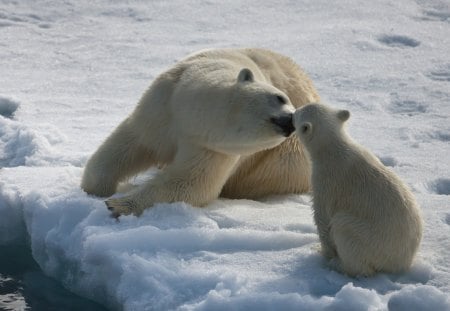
{"x":335,"y":264}
{"x":122,"y":206}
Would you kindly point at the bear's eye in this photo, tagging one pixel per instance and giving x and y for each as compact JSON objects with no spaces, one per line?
{"x":281,"y":99}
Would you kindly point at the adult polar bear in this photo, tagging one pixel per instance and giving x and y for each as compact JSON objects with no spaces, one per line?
{"x":217,"y":123}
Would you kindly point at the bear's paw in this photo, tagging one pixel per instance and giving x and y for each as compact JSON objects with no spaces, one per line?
{"x":122,"y":206}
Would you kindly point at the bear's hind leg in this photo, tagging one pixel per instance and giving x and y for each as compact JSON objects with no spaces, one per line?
{"x":284,"y":169}
{"x":118,"y":158}
{"x":349,"y":234}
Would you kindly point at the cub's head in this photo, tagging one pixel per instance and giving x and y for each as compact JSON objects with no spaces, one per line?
{"x":243,"y":114}
{"x":319,"y":126}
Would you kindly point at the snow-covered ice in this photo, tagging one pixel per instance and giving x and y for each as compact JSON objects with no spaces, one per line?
{"x":72,"y":70}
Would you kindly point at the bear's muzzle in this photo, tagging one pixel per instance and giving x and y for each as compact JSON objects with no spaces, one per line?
{"x":284,"y":124}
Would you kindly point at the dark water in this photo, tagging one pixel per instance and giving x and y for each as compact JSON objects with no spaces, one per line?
{"x":23,"y":286}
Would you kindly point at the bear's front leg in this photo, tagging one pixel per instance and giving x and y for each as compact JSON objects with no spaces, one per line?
{"x":322,"y":221}
{"x":196,"y":177}
{"x":119,"y":157}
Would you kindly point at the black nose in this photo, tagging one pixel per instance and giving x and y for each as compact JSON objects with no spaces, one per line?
{"x":284,"y":124}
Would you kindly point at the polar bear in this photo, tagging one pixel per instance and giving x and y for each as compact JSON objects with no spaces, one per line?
{"x":367,"y":219}
{"x":218,"y":123}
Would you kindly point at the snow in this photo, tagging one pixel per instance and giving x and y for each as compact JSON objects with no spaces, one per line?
{"x":72,"y":70}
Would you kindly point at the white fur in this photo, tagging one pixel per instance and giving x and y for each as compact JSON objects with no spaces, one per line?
{"x":367,"y":218}
{"x":207,"y":121}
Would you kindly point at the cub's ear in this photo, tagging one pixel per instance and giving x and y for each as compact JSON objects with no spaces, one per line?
{"x":305,"y":129}
{"x":343,"y":115}
{"x":245,"y":75}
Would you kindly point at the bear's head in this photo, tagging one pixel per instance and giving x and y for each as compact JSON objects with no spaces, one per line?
{"x":319,"y":127}
{"x":237,"y":114}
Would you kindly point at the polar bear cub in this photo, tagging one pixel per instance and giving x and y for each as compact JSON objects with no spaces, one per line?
{"x":367,"y":219}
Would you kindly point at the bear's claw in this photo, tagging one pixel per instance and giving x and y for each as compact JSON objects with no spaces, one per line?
{"x":120,"y":206}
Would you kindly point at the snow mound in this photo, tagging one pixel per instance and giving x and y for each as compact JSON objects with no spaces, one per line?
{"x":399,"y":41}
{"x":12,"y":226}
{"x":417,"y":298}
{"x":441,"y":186}
{"x":8,"y":107}
{"x":21,"y":145}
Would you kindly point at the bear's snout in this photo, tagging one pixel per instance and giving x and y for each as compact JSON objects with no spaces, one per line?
{"x":284,"y":124}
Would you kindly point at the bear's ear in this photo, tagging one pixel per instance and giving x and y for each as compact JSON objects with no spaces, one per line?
{"x":245,"y":75}
{"x":305,"y":129}
{"x":343,"y":115}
